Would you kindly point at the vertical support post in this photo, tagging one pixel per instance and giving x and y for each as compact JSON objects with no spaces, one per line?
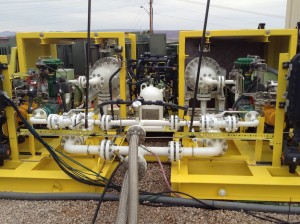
{"x":132,"y":38}
{"x":280,"y":100}
{"x":10,"y":113}
{"x":121,"y":40}
{"x":181,"y":65}
{"x":259,"y":143}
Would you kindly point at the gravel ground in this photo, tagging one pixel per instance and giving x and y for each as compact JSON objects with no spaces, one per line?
{"x":12,"y":211}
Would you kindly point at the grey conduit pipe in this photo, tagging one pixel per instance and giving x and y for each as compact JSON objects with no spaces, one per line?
{"x":135,"y":136}
{"x":123,"y":208}
{"x":133,"y":180}
{"x":154,"y":199}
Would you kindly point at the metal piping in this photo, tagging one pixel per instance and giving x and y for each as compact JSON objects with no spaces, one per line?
{"x":133,"y":180}
{"x":215,"y":150}
{"x":238,"y":206}
{"x":123,"y":205}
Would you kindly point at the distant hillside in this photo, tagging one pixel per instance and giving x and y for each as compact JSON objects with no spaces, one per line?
{"x":7,"y":34}
{"x":172,"y":35}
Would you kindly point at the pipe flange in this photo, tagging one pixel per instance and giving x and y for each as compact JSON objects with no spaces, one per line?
{"x":75,"y":140}
{"x":234,"y":124}
{"x":177,"y":151}
{"x":228,"y":128}
{"x":52,"y":121}
{"x":107,"y":122}
{"x":176,"y":120}
{"x":82,"y":81}
{"x":171,"y":146}
{"x":103,"y":124}
{"x":172,"y":123}
{"x":136,"y":130}
{"x":102,"y":149}
{"x":107,"y":151}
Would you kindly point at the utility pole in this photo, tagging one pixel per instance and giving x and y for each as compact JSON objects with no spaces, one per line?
{"x":151,"y":15}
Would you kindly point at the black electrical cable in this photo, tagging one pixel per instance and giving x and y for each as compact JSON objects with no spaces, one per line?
{"x":143,"y":102}
{"x":75,"y":174}
{"x":157,"y":195}
{"x":104,"y":192}
{"x":199,"y":64}
{"x":268,"y":218}
{"x":88,"y":57}
{"x":118,"y":101}
{"x":110,"y":89}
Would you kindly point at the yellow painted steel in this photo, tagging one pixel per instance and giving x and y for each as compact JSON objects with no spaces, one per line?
{"x":10,"y":113}
{"x":249,"y":170}
{"x":280,"y":103}
{"x":36,"y":171}
{"x":259,"y":142}
{"x":238,"y":175}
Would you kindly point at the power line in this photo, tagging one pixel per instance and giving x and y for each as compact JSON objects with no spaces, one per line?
{"x":210,"y":14}
{"x":236,"y":9}
{"x":195,"y":21}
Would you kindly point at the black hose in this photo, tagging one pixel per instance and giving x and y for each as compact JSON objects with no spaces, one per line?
{"x":112,"y":102}
{"x":66,"y":168}
{"x":104,"y":192}
{"x":154,"y":199}
{"x":164,"y":104}
{"x":88,"y":58}
{"x":143,"y":102}
{"x":199,"y":64}
{"x":173,"y":68}
{"x":138,"y":82}
{"x":110,"y":89}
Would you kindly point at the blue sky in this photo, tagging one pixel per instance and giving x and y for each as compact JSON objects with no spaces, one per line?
{"x":71,"y":15}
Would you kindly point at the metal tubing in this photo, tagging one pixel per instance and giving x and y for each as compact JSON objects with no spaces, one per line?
{"x":133,"y":180}
{"x":123,"y":205}
{"x":155,"y":199}
{"x":214,"y":150}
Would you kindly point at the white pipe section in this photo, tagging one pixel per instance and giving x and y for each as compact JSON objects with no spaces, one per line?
{"x":94,"y":81}
{"x":71,"y":148}
{"x":203,"y":106}
{"x":34,"y":120}
{"x":215,"y":150}
{"x":229,"y":82}
{"x":140,"y":122}
{"x":202,"y":151}
{"x":248,"y":123}
{"x":73,"y":81}
{"x":210,"y":81}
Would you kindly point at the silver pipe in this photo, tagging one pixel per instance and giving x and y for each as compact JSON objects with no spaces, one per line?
{"x":133,"y":180}
{"x":123,"y":205}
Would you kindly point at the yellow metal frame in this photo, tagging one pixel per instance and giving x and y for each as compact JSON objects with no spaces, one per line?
{"x":239,"y":175}
{"x":36,"y":171}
